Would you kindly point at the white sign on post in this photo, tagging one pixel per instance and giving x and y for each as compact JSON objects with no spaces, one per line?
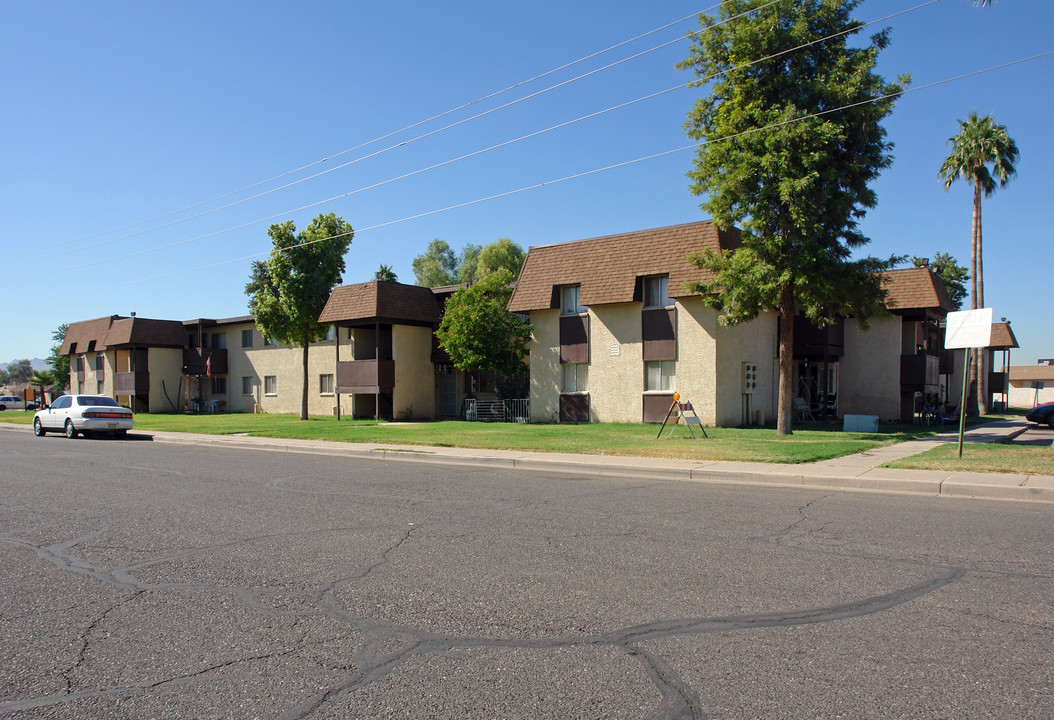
{"x":969,"y":329}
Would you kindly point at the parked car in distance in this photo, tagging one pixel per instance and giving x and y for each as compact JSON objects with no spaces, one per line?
{"x":10,"y":402}
{"x":1042,"y":414}
{"x":88,"y":414}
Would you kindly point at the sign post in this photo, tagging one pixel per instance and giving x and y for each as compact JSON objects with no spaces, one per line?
{"x":967,"y":330}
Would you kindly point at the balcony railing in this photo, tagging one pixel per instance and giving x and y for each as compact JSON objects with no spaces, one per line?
{"x":132,"y":383}
{"x":365,"y":377}
{"x":809,"y":339}
{"x":919,"y":372}
{"x":194,"y":361}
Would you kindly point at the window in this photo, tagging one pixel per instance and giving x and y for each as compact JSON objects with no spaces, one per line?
{"x":247,"y":386}
{"x":325,"y":384}
{"x":247,"y":338}
{"x":574,"y":377}
{"x":660,"y":375}
{"x":219,"y":386}
{"x":655,"y":289}
{"x":331,"y":333}
{"x":569,"y":300}
{"x":100,"y":386}
{"x":219,"y":341}
{"x":270,"y":385}
{"x":100,"y":363}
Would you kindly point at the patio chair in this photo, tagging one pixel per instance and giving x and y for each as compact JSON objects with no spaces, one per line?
{"x":802,"y":409}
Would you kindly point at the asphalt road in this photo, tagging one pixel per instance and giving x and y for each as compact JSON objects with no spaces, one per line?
{"x":145,"y":580}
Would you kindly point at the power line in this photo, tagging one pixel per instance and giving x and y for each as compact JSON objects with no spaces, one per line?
{"x":474,"y":153}
{"x":584,"y":173}
{"x":369,"y":142}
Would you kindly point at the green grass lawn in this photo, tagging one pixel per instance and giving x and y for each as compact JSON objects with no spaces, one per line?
{"x":983,"y":457}
{"x":809,"y":443}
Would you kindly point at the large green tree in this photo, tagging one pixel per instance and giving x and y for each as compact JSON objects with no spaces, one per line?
{"x":983,"y":154}
{"x":479,"y":333}
{"x":791,"y":139}
{"x":288,"y":290}
{"x":60,"y":364}
{"x":502,"y":253}
{"x":467,"y":264}
{"x":437,"y":266}
{"x":20,"y":371}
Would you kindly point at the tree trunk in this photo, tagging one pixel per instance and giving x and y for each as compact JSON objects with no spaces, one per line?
{"x":303,"y":395}
{"x":972,"y":356}
{"x":786,"y":392}
{"x":982,"y":360}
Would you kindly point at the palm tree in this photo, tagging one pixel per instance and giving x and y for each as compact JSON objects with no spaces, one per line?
{"x":385,"y":274}
{"x":980,"y":143}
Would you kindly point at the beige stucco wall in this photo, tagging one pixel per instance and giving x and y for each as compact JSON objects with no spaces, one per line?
{"x":1027,"y":396}
{"x":414,"y":394}
{"x":697,"y":357}
{"x":616,"y":381}
{"x":286,"y":364}
{"x":239,"y":365}
{"x":545,"y":365}
{"x":165,"y":366}
{"x":869,"y":372}
{"x":711,"y":381}
{"x":752,"y":342}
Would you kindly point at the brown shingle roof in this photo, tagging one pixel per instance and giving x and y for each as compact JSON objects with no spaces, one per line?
{"x":383,"y":302}
{"x":1044,"y":373}
{"x":607,"y":268}
{"x":1002,"y":337}
{"x":79,"y":335}
{"x":145,"y":332}
{"x":915,"y":288}
{"x":114,"y":331}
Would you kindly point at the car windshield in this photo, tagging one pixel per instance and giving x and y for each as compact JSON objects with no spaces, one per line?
{"x":87,"y":400}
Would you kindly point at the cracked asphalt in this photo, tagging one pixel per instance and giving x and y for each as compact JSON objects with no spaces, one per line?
{"x":148,"y":580}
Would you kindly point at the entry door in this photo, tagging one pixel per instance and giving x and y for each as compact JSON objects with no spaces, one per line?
{"x":448,"y":391}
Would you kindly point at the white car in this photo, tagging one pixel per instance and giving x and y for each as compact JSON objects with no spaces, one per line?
{"x":74,"y":414}
{"x":10,"y":402}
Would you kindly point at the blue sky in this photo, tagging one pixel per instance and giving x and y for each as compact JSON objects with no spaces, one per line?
{"x":117,"y":113}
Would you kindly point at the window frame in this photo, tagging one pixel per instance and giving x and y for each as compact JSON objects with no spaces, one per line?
{"x":247,"y":390}
{"x":580,"y":384}
{"x":578,"y":308}
{"x":247,"y":335}
{"x":664,"y":289}
{"x":270,"y":385}
{"x":322,"y":384}
{"x":667,"y":380}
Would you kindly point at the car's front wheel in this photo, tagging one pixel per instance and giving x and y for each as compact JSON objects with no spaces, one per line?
{"x":1050,"y":420}
{"x":71,"y":432}
{"x":38,"y":428}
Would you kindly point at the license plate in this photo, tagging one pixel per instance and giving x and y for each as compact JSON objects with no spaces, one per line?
{"x":111,"y":426}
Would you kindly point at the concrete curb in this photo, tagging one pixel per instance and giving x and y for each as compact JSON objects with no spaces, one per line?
{"x":828,"y":475}
{"x":989,"y":486}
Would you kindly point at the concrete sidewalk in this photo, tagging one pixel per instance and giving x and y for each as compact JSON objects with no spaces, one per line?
{"x":853,"y":472}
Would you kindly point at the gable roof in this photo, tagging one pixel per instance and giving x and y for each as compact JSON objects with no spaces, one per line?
{"x":115,"y":330}
{"x":915,"y":288}
{"x":381,"y":302}
{"x":608,"y":268}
